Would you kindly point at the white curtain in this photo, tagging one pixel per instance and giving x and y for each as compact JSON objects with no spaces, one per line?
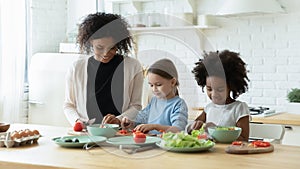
{"x":12,"y":59}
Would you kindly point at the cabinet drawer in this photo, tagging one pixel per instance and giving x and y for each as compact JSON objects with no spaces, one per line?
{"x":292,"y":136}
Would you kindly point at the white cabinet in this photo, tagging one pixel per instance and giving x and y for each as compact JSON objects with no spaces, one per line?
{"x":292,"y":136}
{"x":46,"y":75}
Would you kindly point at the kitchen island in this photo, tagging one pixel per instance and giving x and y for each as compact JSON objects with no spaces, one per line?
{"x":46,"y":154}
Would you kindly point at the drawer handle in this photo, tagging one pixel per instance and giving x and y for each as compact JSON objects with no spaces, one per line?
{"x":35,"y":102}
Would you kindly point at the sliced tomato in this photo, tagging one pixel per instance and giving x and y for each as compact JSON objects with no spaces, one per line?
{"x":123,"y":131}
{"x":238,"y":143}
{"x":261,"y":143}
{"x":202,"y":136}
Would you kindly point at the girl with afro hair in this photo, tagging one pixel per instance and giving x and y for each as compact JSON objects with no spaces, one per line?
{"x":224,"y":76}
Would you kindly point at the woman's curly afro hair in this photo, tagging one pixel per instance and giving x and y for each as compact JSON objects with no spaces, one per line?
{"x":100,"y":25}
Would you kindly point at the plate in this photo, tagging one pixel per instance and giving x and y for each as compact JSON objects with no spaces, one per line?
{"x":186,"y":149}
{"x":82,"y":141}
{"x":128,"y":140}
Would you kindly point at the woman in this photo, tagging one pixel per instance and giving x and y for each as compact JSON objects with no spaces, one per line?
{"x":107,"y":86}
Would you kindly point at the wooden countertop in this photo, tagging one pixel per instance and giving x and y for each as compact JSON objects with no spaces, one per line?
{"x":281,"y":118}
{"x":47,"y":155}
{"x":194,"y":112}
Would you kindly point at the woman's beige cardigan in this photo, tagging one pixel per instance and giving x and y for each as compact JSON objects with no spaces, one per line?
{"x":76,"y":92}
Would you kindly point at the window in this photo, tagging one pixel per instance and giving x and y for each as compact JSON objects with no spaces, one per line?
{"x":12,"y":59}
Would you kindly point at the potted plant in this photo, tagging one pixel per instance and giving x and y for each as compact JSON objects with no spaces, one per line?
{"x":294,"y":101}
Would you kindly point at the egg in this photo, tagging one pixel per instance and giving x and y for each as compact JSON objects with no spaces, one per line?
{"x":36,"y":132}
{"x":29,"y":132}
{"x":23,"y":133}
{"x":15,"y":135}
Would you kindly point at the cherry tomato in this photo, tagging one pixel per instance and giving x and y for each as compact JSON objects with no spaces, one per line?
{"x":139,"y":137}
{"x":78,"y":126}
{"x":238,"y":143}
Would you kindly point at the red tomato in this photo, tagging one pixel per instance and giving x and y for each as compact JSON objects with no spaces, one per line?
{"x":202,"y":136}
{"x":238,"y":143}
{"x":78,"y":126}
{"x":139,"y":137}
{"x":123,"y":131}
{"x":136,"y":133}
{"x":261,"y":143}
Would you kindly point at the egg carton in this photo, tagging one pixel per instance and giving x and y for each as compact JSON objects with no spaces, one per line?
{"x":4,"y":142}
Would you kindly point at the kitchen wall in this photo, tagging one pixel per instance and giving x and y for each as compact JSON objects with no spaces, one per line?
{"x":269,"y":44}
{"x":49,"y":25}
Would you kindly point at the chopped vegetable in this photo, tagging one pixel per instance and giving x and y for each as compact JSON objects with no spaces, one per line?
{"x":183,"y":140}
{"x":224,"y":128}
{"x":123,"y":131}
{"x":260,"y":143}
{"x":200,"y":134}
{"x":196,"y":133}
{"x":237,"y":143}
{"x":203,"y":136}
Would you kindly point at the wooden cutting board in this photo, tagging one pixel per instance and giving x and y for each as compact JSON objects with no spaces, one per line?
{"x":246,"y":149}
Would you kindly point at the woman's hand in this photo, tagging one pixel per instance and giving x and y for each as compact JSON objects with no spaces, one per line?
{"x":110,"y":119}
{"x":127,"y":124}
{"x":145,"y":128}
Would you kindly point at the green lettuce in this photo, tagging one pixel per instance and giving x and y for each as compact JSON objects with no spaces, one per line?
{"x":184,"y":140}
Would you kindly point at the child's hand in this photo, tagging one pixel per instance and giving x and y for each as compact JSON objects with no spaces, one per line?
{"x":126,"y":123}
{"x":145,"y":127}
{"x":209,"y":124}
{"x":197,"y":125}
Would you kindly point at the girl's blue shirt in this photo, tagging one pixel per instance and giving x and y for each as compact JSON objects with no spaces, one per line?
{"x":171,"y":112}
